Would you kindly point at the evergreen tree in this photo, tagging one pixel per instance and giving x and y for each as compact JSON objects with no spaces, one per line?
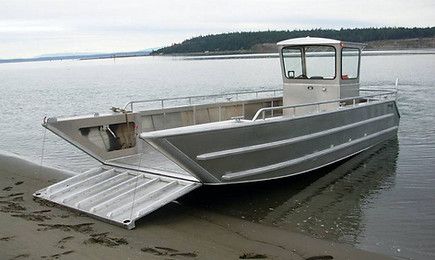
{"x":244,"y":41}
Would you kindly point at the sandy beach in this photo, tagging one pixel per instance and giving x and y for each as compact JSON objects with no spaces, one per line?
{"x":34,"y":229}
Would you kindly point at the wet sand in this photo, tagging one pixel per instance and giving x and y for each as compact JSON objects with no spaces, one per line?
{"x":35,"y":229}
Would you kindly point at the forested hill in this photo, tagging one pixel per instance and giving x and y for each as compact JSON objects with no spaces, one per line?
{"x":246,"y":41}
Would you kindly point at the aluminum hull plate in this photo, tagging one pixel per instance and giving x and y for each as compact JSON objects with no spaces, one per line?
{"x":116,"y":195}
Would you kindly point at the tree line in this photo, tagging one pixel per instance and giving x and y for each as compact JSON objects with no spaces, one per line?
{"x":244,"y":41}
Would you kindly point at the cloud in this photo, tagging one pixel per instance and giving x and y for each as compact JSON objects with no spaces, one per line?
{"x":41,"y":26}
{"x":21,"y":27}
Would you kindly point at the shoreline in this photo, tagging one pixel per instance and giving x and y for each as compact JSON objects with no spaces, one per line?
{"x":275,"y":55}
{"x":175,"y":231}
{"x":230,"y":55}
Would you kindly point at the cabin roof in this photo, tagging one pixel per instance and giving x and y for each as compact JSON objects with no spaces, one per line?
{"x":314,"y":41}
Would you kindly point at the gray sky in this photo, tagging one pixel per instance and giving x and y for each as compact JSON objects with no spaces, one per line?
{"x":33,"y":27}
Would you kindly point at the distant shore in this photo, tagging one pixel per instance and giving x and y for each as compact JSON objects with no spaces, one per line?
{"x":79,"y":57}
{"x":385,"y":47}
{"x":403,"y":46}
{"x":241,"y":55}
{"x":222,"y":56}
{"x":175,"y":231}
{"x":266,"y":50}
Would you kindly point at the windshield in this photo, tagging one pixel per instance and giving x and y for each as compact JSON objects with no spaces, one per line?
{"x":309,"y":62}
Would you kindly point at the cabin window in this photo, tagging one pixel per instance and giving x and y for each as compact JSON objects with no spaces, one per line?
{"x":292,"y":62}
{"x":309,"y":62}
{"x":350,"y":63}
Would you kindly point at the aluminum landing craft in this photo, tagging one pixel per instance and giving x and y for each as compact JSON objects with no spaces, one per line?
{"x":321,"y":116}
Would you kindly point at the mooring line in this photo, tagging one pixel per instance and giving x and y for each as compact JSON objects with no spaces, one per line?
{"x":42,"y":149}
{"x":135,"y":186}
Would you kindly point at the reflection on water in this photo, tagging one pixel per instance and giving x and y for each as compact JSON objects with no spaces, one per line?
{"x":331,"y":207}
{"x":327,"y":203}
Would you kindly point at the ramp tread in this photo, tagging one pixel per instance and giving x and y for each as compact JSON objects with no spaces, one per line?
{"x":116,"y":195}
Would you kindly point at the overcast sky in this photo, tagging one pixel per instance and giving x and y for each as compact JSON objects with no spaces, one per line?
{"x":33,"y":27}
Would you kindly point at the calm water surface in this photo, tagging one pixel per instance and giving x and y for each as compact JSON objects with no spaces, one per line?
{"x":381,"y":200}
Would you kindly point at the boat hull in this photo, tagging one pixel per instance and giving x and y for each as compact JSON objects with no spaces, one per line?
{"x":249,"y":151}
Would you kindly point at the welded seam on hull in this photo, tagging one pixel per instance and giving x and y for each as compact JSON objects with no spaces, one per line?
{"x":176,"y":155}
{"x":281,"y":165}
{"x":264,"y":146}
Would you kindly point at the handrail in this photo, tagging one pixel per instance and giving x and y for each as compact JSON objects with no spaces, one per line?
{"x":378,"y":90}
{"x":264,"y":109}
{"x":190,"y":98}
{"x":381,"y":92}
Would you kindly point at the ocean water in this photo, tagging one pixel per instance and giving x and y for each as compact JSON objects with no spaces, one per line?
{"x":382,"y":200}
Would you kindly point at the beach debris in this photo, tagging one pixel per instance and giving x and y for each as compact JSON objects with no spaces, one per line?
{"x":104,"y":239}
{"x":252,"y":256}
{"x":82,"y":228}
{"x":6,"y":238}
{"x":44,"y":202}
{"x":320,"y":257}
{"x":42,"y":211}
{"x":18,"y":199}
{"x":151,"y":251}
{"x":166,"y":251}
{"x":10,"y":206}
{"x":57,"y":256}
{"x":188,"y":254}
{"x":12,"y":195}
{"x":61,"y":243}
{"x":32,"y":217}
{"x":21,"y":256}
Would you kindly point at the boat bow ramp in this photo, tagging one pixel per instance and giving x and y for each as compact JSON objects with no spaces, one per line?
{"x":116,"y":195}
